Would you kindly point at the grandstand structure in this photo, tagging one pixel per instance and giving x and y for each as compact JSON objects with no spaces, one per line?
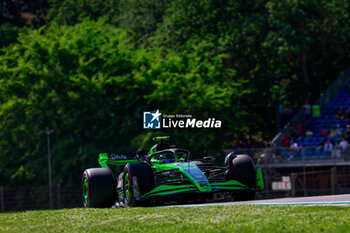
{"x":312,"y":147}
{"x":335,"y":97}
{"x":311,"y":169}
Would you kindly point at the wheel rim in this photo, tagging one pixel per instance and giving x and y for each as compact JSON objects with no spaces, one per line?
{"x":85,"y":191}
{"x":127,"y":186}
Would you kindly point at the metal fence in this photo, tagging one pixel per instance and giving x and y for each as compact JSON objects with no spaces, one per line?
{"x":290,"y":156}
{"x":19,"y":198}
{"x":306,"y":172}
{"x":287,"y":173}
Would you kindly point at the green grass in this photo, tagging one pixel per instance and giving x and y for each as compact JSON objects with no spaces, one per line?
{"x":237,"y":218}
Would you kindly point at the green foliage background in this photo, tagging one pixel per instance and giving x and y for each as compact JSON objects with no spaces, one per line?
{"x":89,"y":68}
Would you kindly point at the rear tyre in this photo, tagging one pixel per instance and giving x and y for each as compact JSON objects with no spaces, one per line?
{"x":98,"y":188}
{"x":242,"y":169}
{"x":136,"y":182}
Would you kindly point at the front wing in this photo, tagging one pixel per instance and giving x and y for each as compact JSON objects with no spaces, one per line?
{"x":227,"y":186}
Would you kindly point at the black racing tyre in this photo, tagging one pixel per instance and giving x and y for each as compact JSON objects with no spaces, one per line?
{"x":247,"y":196}
{"x":142,"y":174}
{"x":99,"y":188}
{"x":242,"y":169}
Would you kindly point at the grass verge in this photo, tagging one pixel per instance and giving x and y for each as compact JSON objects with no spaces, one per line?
{"x":237,"y":218}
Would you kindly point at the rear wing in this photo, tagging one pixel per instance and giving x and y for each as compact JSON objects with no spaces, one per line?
{"x":120,"y":158}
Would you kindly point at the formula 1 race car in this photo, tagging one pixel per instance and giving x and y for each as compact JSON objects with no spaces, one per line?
{"x":166,"y":174}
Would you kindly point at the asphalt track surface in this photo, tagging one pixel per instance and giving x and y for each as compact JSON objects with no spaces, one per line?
{"x":330,"y":200}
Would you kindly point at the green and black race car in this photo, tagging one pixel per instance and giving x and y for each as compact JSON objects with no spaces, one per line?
{"x":166,"y":174}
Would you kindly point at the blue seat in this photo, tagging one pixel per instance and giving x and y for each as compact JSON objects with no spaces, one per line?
{"x":324,"y":153}
{"x":309,"y":151}
{"x":327,"y":120}
{"x":285,"y":152}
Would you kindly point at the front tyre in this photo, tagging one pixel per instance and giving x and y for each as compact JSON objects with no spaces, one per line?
{"x":98,"y":188}
{"x":248,"y":196}
{"x":137,"y":180}
{"x":241,"y":168}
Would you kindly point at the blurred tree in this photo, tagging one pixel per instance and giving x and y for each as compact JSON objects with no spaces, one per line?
{"x":90,"y":84}
{"x":17,"y":14}
{"x":90,"y":81}
{"x":21,"y":12}
{"x":65,"y":79}
{"x":75,"y":11}
{"x":8,"y":34}
{"x":142,"y":17}
{"x":289,"y":51}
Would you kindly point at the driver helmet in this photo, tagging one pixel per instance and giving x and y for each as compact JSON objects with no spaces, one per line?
{"x":165,"y":158}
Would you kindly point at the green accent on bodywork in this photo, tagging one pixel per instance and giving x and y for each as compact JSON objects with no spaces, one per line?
{"x":181,"y":166}
{"x":188,"y":165}
{"x":161,"y":138}
{"x":85,"y":191}
{"x":127,"y":186}
{"x":217,"y":186}
{"x":230,"y":184}
{"x":103,"y":161}
{"x":169,"y":189}
{"x":260,"y":179}
{"x":195,"y":186}
{"x":166,"y":166}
